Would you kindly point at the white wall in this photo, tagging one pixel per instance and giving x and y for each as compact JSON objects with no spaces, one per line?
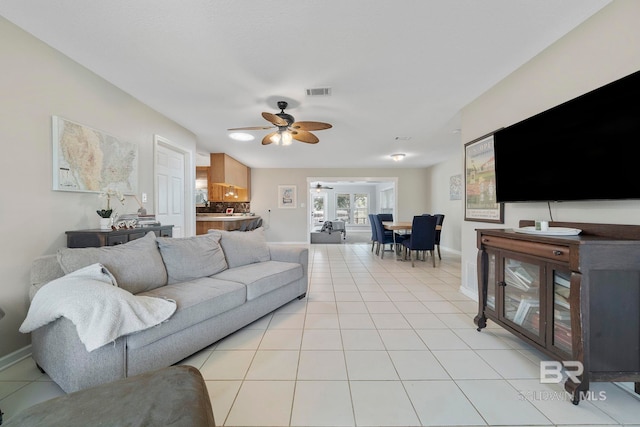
{"x":290,"y":225}
{"x":38,"y":82}
{"x":601,"y":50}
{"x":453,"y":211}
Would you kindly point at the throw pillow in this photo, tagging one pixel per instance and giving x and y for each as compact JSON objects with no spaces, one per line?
{"x":136,"y":265}
{"x":244,"y":247}
{"x":188,"y":258}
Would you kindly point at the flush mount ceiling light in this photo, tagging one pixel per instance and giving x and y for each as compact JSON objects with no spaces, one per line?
{"x":241,"y":136}
{"x":397,"y":156}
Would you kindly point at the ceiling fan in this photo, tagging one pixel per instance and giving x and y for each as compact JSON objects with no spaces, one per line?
{"x":288,"y":128}
{"x":322,"y":187}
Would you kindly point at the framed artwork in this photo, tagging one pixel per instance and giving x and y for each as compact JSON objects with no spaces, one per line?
{"x":480,"y":182}
{"x":287,"y":197}
{"x":229,"y":211}
{"x":455,"y":187}
{"x":89,"y":160}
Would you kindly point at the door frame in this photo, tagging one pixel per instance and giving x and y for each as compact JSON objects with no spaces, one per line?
{"x":189,"y":177}
{"x":310,"y":179}
{"x":325,"y":196}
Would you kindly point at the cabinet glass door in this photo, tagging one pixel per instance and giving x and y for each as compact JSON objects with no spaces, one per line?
{"x":521,"y":293}
{"x":491,"y":282}
{"x":561,"y":311}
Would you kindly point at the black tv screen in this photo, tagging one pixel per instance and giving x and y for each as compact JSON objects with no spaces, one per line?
{"x":583,"y":149}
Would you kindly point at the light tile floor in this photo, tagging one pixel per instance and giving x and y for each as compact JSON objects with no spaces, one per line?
{"x":375,"y":343}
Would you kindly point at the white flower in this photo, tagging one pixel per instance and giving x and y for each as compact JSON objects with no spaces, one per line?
{"x":108,"y":193}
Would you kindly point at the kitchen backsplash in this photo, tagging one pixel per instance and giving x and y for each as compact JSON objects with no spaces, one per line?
{"x":221,"y":207}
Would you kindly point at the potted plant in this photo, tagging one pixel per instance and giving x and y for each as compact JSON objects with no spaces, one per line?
{"x":105,"y":214}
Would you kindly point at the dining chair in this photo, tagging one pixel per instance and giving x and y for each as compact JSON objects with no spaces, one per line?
{"x":385,"y":237}
{"x":423,"y":237}
{"x":439,"y":221}
{"x":386,"y":217}
{"x":374,"y":234}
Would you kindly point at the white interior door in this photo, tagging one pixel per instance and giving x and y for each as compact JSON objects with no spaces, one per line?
{"x":170,"y":187}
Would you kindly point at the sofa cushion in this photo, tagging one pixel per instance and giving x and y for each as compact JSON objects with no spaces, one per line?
{"x":188,"y":258}
{"x":263,"y":277}
{"x":243,"y":247}
{"x":136,"y":265}
{"x":197,"y":300}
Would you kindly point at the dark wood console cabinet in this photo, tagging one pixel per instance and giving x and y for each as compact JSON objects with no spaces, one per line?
{"x":97,"y":237}
{"x":575,"y":298}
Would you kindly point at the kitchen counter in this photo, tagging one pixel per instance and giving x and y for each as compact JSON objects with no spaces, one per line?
{"x":205,"y":222}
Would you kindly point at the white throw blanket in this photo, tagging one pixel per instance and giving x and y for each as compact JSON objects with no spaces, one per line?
{"x":101,"y":311}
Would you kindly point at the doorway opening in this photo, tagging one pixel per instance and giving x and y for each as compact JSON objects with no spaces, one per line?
{"x":349,"y":200}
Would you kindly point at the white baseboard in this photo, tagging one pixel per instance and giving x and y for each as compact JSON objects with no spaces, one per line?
{"x":15,"y":357}
{"x":453,"y":251}
{"x":465,"y":291}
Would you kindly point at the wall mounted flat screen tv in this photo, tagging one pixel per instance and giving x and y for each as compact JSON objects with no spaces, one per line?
{"x":583,"y":149}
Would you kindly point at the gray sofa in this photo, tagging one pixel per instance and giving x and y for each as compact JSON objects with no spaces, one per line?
{"x":220,"y":281}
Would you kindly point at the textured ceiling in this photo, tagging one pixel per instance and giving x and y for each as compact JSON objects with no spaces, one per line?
{"x":401,"y":68}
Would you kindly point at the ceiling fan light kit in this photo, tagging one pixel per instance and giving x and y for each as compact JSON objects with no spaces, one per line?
{"x":281,"y":137}
{"x":288,"y":128}
{"x":321,"y":187}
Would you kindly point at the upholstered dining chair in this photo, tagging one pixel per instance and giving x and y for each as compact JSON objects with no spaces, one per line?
{"x":439,"y":221}
{"x":423,"y":237}
{"x":389,"y":217}
{"x":374,"y":234}
{"x":385,"y":237}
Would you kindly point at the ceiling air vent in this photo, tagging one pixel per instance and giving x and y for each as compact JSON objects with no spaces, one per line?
{"x":319,"y":91}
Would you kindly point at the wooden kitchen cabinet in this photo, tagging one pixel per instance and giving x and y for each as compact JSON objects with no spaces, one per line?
{"x":226,"y":172}
{"x":575,"y":298}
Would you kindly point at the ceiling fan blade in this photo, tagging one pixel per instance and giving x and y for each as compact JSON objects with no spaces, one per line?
{"x":267,"y":139}
{"x":304,"y":136}
{"x":253,"y":128}
{"x":278,"y":121}
{"x":310,"y":126}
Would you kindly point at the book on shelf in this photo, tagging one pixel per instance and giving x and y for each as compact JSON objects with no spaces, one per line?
{"x":561,"y":301}
{"x":562,"y":336}
{"x":561,"y":314}
{"x":517,"y":276}
{"x":532,"y":322}
{"x":524,"y":308}
{"x":560,"y":280}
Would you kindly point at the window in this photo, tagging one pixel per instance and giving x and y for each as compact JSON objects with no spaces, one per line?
{"x":387,"y":200}
{"x":343,"y":207}
{"x":352,"y":208}
{"x":361,"y":209}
